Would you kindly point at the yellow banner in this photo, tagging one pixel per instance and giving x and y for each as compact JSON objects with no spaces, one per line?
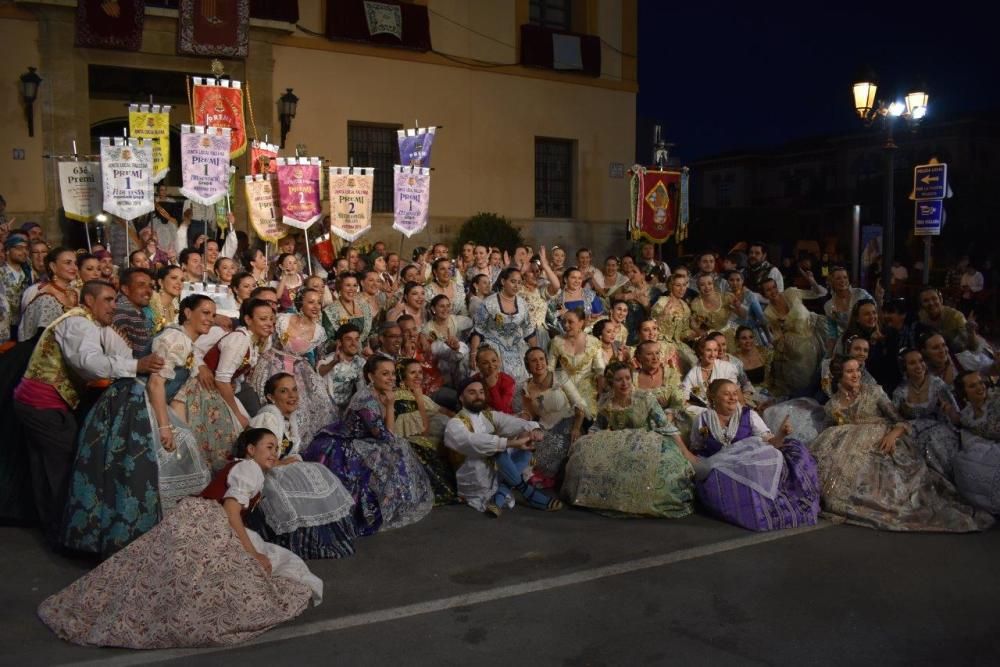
{"x":153,"y":124}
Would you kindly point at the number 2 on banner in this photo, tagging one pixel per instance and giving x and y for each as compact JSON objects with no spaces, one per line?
{"x":351,"y":210}
{"x":302,"y":198}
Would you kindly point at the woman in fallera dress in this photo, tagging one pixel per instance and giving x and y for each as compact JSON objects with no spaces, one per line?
{"x":870,"y":471}
{"x":633,"y":461}
{"x":748,"y":475}
{"x":388,"y":483}
{"x":199,"y":578}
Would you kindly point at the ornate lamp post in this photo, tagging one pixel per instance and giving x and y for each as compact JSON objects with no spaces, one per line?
{"x":29,"y":91}
{"x":287,"y":105}
{"x":869,"y":111}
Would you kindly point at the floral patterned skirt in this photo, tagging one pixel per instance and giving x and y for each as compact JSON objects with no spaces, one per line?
{"x":113,"y":495}
{"x":186,"y":583}
{"x":630,"y":471}
{"x":211,"y":421}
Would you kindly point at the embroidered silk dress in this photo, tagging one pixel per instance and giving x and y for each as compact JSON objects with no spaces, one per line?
{"x":798,"y":346}
{"x":555,"y":408}
{"x":630,"y":464}
{"x":897,"y":491}
{"x":673,"y":319}
{"x":427,"y":446}
{"x":507,"y":333}
{"x":40,"y":313}
{"x":977,"y":465}
{"x":388,"y":483}
{"x":583,"y":368}
{"x":291,"y":354}
{"x":335,"y":316}
{"x":933,"y":434}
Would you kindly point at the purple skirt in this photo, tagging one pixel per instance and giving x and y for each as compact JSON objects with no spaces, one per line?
{"x":796,"y":503}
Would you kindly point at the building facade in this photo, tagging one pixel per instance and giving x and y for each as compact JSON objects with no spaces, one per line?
{"x":521,"y":136}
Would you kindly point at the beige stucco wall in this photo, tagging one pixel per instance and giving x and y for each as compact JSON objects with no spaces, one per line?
{"x":21,"y":182}
{"x":484,"y":156}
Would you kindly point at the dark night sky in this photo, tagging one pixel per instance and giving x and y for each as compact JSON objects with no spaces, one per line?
{"x":722,"y":77}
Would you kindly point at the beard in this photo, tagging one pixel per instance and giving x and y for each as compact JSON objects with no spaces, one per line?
{"x":475,"y":407}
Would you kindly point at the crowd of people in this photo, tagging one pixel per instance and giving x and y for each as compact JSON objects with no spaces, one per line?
{"x":204,"y":421}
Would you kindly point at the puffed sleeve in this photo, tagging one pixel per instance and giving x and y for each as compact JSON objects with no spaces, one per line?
{"x":232,"y":350}
{"x":245,"y":481}
{"x":657,"y":418}
{"x":758,"y":427}
{"x":885,"y":406}
{"x":175,"y":347}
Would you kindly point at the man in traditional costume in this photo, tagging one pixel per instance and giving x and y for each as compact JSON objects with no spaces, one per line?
{"x":78,"y":347}
{"x":760,"y":270}
{"x":493,"y":454}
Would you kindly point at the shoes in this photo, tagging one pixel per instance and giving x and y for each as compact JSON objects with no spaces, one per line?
{"x":492,"y":510}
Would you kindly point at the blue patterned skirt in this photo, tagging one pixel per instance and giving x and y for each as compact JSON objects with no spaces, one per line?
{"x":113,"y":495}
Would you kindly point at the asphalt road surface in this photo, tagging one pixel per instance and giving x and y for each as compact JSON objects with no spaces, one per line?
{"x":575,"y":588}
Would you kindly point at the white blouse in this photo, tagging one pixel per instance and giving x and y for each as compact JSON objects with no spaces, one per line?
{"x":245,"y":481}
{"x":233,"y":349}
{"x":694,"y":382}
{"x":176,"y":348}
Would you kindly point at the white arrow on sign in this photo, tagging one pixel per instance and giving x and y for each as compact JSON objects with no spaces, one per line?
{"x":929,"y":179}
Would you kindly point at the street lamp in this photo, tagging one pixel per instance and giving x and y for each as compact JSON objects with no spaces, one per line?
{"x":869,"y":110}
{"x":29,"y":91}
{"x":287,"y":104}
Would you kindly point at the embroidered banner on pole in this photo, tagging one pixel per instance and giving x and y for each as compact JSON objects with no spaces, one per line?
{"x":298,"y":183}
{"x":262,"y":158}
{"x":219,"y":28}
{"x":127,"y":174}
{"x":80,"y":187}
{"x":412,"y":199}
{"x":204,"y":163}
{"x":654,"y":196}
{"x":219,"y":103}
{"x":224,"y":205}
{"x":351,"y":201}
{"x":263,"y":208}
{"x":152,"y":123}
{"x":415,"y":146}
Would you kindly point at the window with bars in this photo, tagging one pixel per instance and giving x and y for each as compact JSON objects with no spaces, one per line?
{"x":553,"y":178}
{"x":553,"y":14}
{"x":376,"y":146}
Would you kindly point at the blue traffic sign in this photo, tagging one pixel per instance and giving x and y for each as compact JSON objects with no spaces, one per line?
{"x":927,"y":217}
{"x":930,"y":181}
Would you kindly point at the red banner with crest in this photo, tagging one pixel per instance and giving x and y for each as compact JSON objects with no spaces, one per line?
{"x":656,"y":197}
{"x":219,"y":103}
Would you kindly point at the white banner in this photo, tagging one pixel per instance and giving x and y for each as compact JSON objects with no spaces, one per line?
{"x":80,"y":187}
{"x":412,"y":199}
{"x":127,"y":174}
{"x":205,"y":163}
{"x":351,"y":191}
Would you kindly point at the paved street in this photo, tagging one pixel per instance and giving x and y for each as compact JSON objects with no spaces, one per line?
{"x":575,"y":588}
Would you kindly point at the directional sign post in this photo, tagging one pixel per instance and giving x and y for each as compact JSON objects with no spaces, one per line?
{"x":930,"y":181}
{"x":927,"y":218}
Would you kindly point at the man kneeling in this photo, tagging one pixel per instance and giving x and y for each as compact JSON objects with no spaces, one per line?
{"x":497,"y":454}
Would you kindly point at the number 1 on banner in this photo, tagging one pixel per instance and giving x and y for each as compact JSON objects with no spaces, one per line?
{"x":128,"y":182}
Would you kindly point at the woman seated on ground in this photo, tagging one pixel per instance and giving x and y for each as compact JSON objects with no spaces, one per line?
{"x":749,"y":476}
{"x":855,"y":347}
{"x":422,"y":422}
{"x":305,"y":508}
{"x":797,"y":336}
{"x":388,"y":484}
{"x":250,"y":587}
{"x":870,"y":471}
{"x":551,"y":399}
{"x":977,"y":465}
{"x":940,"y":363}
{"x":927,"y":403}
{"x":499,"y":386}
{"x":712,"y":310}
{"x":673,"y":318}
{"x":709,"y":369}
{"x":633,"y":461}
{"x":662,"y":381}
